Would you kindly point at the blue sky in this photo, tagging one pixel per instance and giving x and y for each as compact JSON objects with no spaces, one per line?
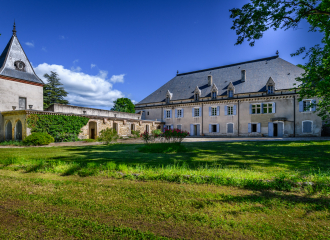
{"x":108,"y":49}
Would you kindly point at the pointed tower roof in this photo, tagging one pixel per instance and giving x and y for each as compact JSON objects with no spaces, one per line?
{"x":14,"y":62}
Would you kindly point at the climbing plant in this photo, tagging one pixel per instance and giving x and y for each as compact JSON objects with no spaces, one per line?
{"x":60,"y":127}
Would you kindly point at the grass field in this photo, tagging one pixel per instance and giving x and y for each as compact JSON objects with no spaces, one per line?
{"x":245,"y":190}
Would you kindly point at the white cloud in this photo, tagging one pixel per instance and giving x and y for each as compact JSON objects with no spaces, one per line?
{"x":44,"y":49}
{"x":75,"y":69}
{"x":117,"y":78}
{"x":75,"y":61}
{"x":84,"y":89}
{"x":93,"y":65}
{"x":62,"y":37}
{"x":30,"y":44}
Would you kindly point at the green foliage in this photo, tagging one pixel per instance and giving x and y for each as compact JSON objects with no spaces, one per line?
{"x":123,"y":105}
{"x":175,"y":135}
{"x":60,"y":127}
{"x":53,"y":92}
{"x":11,"y":143}
{"x":156,"y":132}
{"x":163,"y":148}
{"x":147,"y":137}
{"x":89,"y":140}
{"x":136,"y":134}
{"x":255,"y":18}
{"x":38,"y":138}
{"x":108,"y":136}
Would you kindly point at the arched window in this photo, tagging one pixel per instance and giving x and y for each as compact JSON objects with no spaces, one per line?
{"x":8,"y":131}
{"x":18,"y":131}
{"x":230,"y":90}
{"x":214,"y":91}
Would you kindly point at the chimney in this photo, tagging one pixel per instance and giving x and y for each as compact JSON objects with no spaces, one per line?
{"x":209,"y":80}
{"x":243,"y":78}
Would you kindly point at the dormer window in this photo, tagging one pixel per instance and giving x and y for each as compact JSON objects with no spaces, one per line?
{"x":168,"y":97}
{"x":230,"y":90}
{"x":214,"y":91}
{"x":20,"y":66}
{"x":197,"y":93}
{"x":243,"y":76}
{"x":270,"y":86}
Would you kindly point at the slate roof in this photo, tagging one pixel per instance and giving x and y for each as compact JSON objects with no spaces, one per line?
{"x":14,"y":52}
{"x":258,"y":72}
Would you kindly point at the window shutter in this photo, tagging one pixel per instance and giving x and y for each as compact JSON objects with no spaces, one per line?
{"x":210,"y":111}
{"x":210,"y":128}
{"x":170,"y":113}
{"x":176,"y":113}
{"x":218,"y":127}
{"x":200,"y":112}
{"x":259,"y":128}
{"x":249,"y":127}
{"x":182,"y":112}
{"x":262,"y":108}
{"x":164,"y":114}
{"x":250,"y":108}
{"x":301,"y":106}
{"x":226,"y":110}
{"x":191,"y":129}
{"x":193,"y":109}
{"x":172,"y":127}
{"x":270,"y":129}
{"x":230,"y":128}
{"x":198,"y":129}
{"x":218,"y":110}
{"x":235,"y":110}
{"x":274,"y":108}
{"x":314,"y":107}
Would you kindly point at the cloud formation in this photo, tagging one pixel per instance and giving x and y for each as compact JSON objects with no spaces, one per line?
{"x":84,"y":89}
{"x":30,"y":44}
{"x":93,"y":65}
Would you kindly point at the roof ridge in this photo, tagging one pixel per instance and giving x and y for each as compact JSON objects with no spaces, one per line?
{"x":7,"y":53}
{"x":230,"y":65}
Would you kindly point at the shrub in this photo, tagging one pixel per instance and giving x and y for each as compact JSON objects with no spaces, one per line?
{"x":66,"y":137}
{"x":174,"y":135}
{"x":11,"y":143}
{"x":163,"y":148}
{"x":136,"y":134}
{"x":108,"y":136}
{"x":38,"y":138}
{"x":147,"y":137}
{"x":89,"y":140}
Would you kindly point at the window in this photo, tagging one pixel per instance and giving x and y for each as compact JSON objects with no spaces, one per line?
{"x":179,"y":113}
{"x":167,"y":127}
{"x":196,"y":97}
{"x":178,"y":127}
{"x":230,"y":110}
{"x":148,"y":113}
{"x":230,"y":93}
{"x":214,"y":111}
{"x":132,"y":128}
{"x":306,"y":105}
{"x":168,"y":113}
{"x":214,"y":128}
{"x":307,"y":126}
{"x":267,"y":108}
{"x":230,"y":128}
{"x":214,"y":95}
{"x":147,"y":128}
{"x":22,"y":103}
{"x":209,"y":80}
{"x":270,"y":89}
{"x":256,"y":109}
{"x":167,"y":99}
{"x":253,"y":127}
{"x":196,"y":112}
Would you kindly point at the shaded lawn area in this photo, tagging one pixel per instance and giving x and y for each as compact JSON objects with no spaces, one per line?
{"x":260,"y":156}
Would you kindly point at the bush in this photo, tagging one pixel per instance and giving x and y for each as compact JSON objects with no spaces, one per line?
{"x":163,"y":148}
{"x":147,"y":137}
{"x":89,"y":140}
{"x":38,"y":138}
{"x":11,"y":143}
{"x":108,"y":136}
{"x":174,"y":135}
{"x":66,"y":137}
{"x":136,"y":134}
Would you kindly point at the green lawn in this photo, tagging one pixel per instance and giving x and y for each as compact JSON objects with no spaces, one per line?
{"x":243,"y":190}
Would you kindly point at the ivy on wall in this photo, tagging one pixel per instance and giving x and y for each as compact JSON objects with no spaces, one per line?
{"x":56,"y":125}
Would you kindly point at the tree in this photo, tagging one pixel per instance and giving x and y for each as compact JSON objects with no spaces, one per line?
{"x":53,"y":92}
{"x":253,"y":19}
{"x":123,"y":105}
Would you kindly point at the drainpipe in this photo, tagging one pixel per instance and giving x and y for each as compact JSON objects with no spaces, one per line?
{"x":294,"y":116}
{"x":238,"y":118}
{"x":202,"y":118}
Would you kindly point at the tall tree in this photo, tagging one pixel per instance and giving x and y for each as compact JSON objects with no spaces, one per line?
{"x":53,"y":92}
{"x":253,"y":19}
{"x":123,"y":105}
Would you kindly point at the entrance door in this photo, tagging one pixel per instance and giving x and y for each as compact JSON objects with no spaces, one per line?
{"x":18,"y":131}
{"x":195,"y":130}
{"x":280,"y":126}
{"x":92,"y":133}
{"x":275,"y":129}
